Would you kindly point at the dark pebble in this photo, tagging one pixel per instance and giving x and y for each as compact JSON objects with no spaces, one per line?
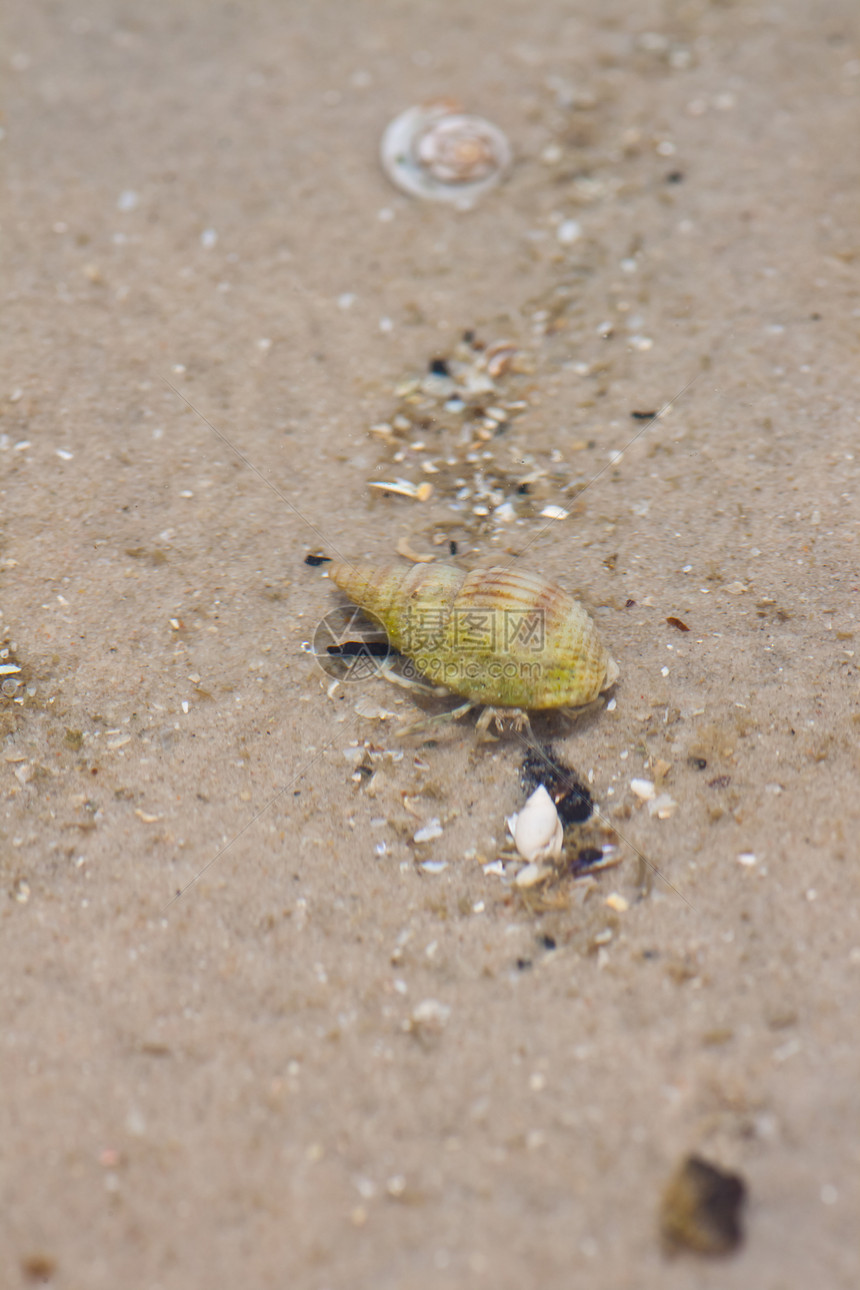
{"x":701,"y":1208}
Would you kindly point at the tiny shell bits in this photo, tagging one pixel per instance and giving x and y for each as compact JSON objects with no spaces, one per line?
{"x":495,"y":636}
{"x":437,"y":152}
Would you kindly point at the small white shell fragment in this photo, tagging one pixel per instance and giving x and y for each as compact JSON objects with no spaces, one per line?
{"x":664,"y":806}
{"x":403,"y":488}
{"x":505,"y":513}
{"x":437,"y":152}
{"x":8,"y":669}
{"x":537,"y":831}
{"x":531,"y":874}
{"x":554,"y":513}
{"x":644,"y":789}
{"x":747,"y":858}
{"x":431,"y":830}
{"x":430,"y":1014}
{"x":617,"y":902}
{"x":434,"y":866}
{"x":568,"y":232}
{"x":373,"y":711}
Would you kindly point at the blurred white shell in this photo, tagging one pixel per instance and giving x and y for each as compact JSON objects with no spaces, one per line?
{"x":438,"y":152}
{"x":537,"y":831}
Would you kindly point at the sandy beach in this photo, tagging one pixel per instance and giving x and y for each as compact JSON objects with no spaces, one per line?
{"x":253,"y":1032}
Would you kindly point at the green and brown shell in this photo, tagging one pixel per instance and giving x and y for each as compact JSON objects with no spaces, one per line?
{"x":501,"y":637}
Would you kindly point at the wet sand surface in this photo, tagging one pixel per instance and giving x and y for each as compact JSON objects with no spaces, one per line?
{"x":328,"y":1063}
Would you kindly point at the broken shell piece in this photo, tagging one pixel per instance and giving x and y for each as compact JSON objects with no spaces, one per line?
{"x":403,"y":488}
{"x":532,"y":874}
{"x":499,"y":356}
{"x":430,"y":1015}
{"x":664,"y":806}
{"x":373,"y":711}
{"x":417,"y":557}
{"x":537,"y":831}
{"x":437,"y":152}
{"x":643,"y":788}
{"x":434,"y":866}
{"x":431,"y":831}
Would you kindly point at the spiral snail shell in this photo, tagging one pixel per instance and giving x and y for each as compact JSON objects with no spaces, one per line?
{"x":501,"y":637}
{"x":439,"y":152}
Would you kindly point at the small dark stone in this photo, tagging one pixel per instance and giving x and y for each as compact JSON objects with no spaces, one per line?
{"x":575,"y":807}
{"x":701,"y":1208}
{"x":585,"y":858}
{"x":548,"y":942}
{"x":630,"y":604}
{"x":675,"y":177}
{"x":523,"y":964}
{"x":643,"y":416}
{"x":699,"y":763}
{"x":315,"y":560}
{"x":468,"y":337}
{"x":39,"y":1267}
{"x":452,"y":547}
{"x":522,"y":489}
{"x":572,"y":799}
{"x":439,"y":367}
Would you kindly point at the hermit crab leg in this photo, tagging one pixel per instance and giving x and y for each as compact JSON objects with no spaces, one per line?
{"x":388,"y":673}
{"x":430,"y":724}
